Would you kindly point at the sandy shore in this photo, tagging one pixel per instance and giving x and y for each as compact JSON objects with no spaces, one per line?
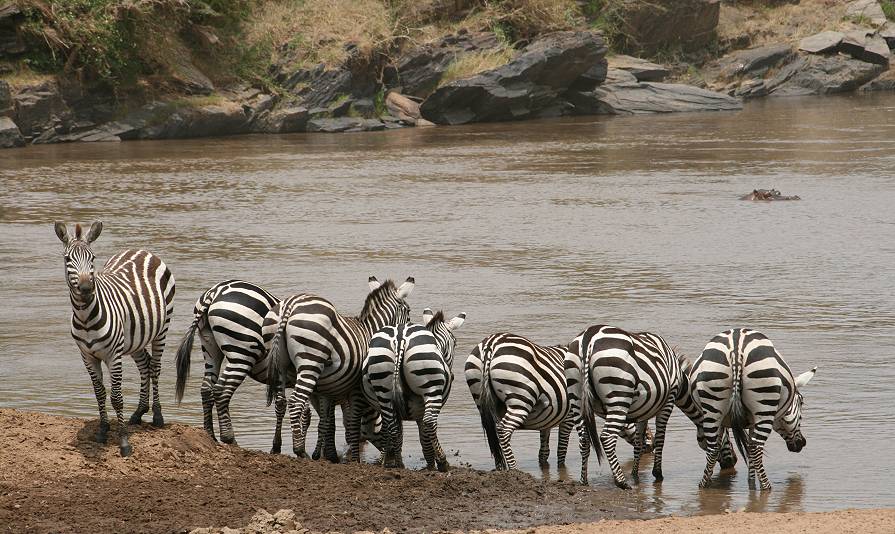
{"x":54,"y":478}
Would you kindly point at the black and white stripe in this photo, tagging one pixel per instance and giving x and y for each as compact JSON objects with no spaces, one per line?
{"x":407,"y":376}
{"x":324,"y":351}
{"x":125,"y":309}
{"x":630,"y":378}
{"x":518,"y":384}
{"x":741,"y":382}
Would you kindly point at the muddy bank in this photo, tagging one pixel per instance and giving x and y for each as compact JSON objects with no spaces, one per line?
{"x":53,"y":478}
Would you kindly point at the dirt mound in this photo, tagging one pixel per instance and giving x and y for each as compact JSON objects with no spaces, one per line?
{"x":54,"y":478}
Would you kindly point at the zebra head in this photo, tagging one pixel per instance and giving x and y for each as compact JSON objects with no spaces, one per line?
{"x":685,"y":401}
{"x":385,"y":305}
{"x":80,"y":272}
{"x":790,"y":423}
{"x":443,"y":330}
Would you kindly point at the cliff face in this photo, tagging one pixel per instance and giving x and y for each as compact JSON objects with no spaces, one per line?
{"x":109,"y":70}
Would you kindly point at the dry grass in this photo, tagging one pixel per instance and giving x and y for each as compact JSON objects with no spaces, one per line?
{"x":319,"y":31}
{"x":22,"y":76}
{"x":786,"y":23}
{"x":472,"y":63}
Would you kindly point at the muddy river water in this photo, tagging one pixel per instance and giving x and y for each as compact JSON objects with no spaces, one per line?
{"x":540,"y":228}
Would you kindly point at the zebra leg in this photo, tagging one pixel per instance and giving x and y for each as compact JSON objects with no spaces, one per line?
{"x":584,"y":447}
{"x":614,"y":426}
{"x":309,"y":370}
{"x":756,"y":452}
{"x":214,"y":358}
{"x":356,"y":407}
{"x":142,"y":360}
{"x":326,"y":432}
{"x":659,"y":438}
{"x":155,"y":369}
{"x":232,"y":375}
{"x":562,"y":442}
{"x":95,"y":370}
{"x":637,"y":439}
{"x":118,"y":405}
{"x":280,"y":409}
{"x":713,"y":446}
{"x":516,"y":414}
{"x":544,"y":450}
{"x":728,"y":457}
{"x":430,"y":430}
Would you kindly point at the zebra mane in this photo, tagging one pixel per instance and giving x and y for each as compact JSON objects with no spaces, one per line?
{"x":388,"y":285}
{"x":78,"y":231}
{"x":437,"y":318}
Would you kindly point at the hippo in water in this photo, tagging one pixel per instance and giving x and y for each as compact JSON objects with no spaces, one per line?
{"x":767,"y":194}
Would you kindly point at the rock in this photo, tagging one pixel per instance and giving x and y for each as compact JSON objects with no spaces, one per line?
{"x":817,"y":75}
{"x":286,"y":520}
{"x":422,"y":123}
{"x":619,"y":76}
{"x":866,"y":10}
{"x":754,"y":88}
{"x":820,"y":43}
{"x":418,"y":70}
{"x":648,"y":97}
{"x":10,"y":136}
{"x":866,"y":46}
{"x":592,"y":77}
{"x":885,"y":82}
{"x":319,"y":86}
{"x":188,"y":77}
{"x":405,"y":109}
{"x":887,"y":32}
{"x":286,"y":119}
{"x":363,"y":107}
{"x":529,"y":84}
{"x":652,"y":25}
{"x":643,"y":70}
{"x":753,"y":61}
{"x":341,"y":124}
{"x":6,"y":107}
{"x":41,"y":110}
{"x":261,"y":523}
{"x":11,"y":43}
{"x":340,"y":107}
{"x":182,"y":121}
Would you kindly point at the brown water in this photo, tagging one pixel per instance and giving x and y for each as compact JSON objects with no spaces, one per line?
{"x":541,"y":228}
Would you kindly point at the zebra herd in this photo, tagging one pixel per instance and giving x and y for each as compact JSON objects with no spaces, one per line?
{"x":382,"y":370}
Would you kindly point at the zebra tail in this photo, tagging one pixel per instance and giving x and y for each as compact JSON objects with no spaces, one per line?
{"x":587,"y":410}
{"x":182,"y":360}
{"x":738,"y":419}
{"x":488,"y":412}
{"x":398,"y":403}
{"x":277,"y":360}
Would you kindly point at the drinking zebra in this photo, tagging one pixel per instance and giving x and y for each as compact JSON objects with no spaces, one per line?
{"x":407,"y":376}
{"x":125,"y":309}
{"x":741,"y":382}
{"x":518,"y":384}
{"x":324,"y":350}
{"x":630,"y":378}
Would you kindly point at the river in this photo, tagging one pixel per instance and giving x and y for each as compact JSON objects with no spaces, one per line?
{"x":539,"y":228}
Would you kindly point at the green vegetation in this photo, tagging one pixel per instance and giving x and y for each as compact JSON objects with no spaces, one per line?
{"x":888,"y":8}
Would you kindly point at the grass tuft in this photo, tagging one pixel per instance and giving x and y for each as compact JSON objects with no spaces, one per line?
{"x":472,"y":63}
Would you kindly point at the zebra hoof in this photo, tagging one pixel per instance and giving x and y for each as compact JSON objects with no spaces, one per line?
{"x":101,"y":436}
{"x":658,"y":476}
{"x":316,"y":455}
{"x":299,"y":453}
{"x":229,"y":440}
{"x":157,"y":420}
{"x":622,"y":484}
{"x":275,"y":449}
{"x":210,"y":433}
{"x":137,"y":417}
{"x":126,"y":450}
{"x":444,"y":467}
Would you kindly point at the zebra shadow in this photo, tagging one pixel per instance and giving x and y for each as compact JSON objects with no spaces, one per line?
{"x":93,"y":451}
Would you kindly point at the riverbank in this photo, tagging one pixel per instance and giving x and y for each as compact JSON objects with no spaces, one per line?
{"x":107,"y":70}
{"x":54,"y":478}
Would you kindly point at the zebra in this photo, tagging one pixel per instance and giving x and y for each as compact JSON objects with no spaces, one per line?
{"x":125,"y":309}
{"x":407,"y":376}
{"x":629,"y":434}
{"x":630,"y":378}
{"x":515,"y":384}
{"x":741,"y":382}
{"x":324,"y":350}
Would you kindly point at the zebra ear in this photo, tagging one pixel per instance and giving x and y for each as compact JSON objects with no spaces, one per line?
{"x":406,"y":288}
{"x":95,"y":229}
{"x":457,"y":321}
{"x":373,"y":283}
{"x":803,"y":379}
{"x":427,"y":315}
{"x":62,"y":232}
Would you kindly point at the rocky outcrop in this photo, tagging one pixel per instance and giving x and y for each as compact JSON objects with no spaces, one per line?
{"x":885,"y":82}
{"x":821,"y":43}
{"x":10,"y":136}
{"x":530,"y":84}
{"x":405,"y":109}
{"x":753,"y":62}
{"x":345,"y":124}
{"x":818,"y":75}
{"x":866,"y":10}
{"x":651,"y":25}
{"x":641,"y":69}
{"x":646,"y":97}
{"x":6,"y":108}
{"x":41,"y":112}
{"x":11,"y":43}
{"x":866,"y":46}
{"x":418,"y":70}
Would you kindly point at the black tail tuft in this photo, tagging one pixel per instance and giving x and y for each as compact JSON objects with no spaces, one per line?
{"x":587,"y":413}
{"x":277,"y":360}
{"x":182,"y":360}
{"x":738,"y":419}
{"x":398,"y":387}
{"x":488,"y":412}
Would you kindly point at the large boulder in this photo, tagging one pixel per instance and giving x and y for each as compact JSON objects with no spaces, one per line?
{"x":866,"y":10}
{"x":405,"y":109}
{"x":821,"y":43}
{"x":6,"y":108}
{"x":10,"y":136}
{"x":752,"y":62}
{"x":645,"y":97}
{"x":523,"y":88}
{"x":418,"y":70}
{"x":641,"y":69}
{"x":817,"y":75}
{"x":651,"y":25}
{"x":41,"y":112}
{"x":885,"y":82}
{"x":285,"y":119}
{"x":866,"y":46}
{"x":11,"y":43}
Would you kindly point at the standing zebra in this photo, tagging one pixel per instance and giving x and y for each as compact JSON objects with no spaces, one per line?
{"x":518,"y":384}
{"x":407,"y":376}
{"x":630,"y":378}
{"x":741,"y":382}
{"x":125,"y":309}
{"x":324,"y":350}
